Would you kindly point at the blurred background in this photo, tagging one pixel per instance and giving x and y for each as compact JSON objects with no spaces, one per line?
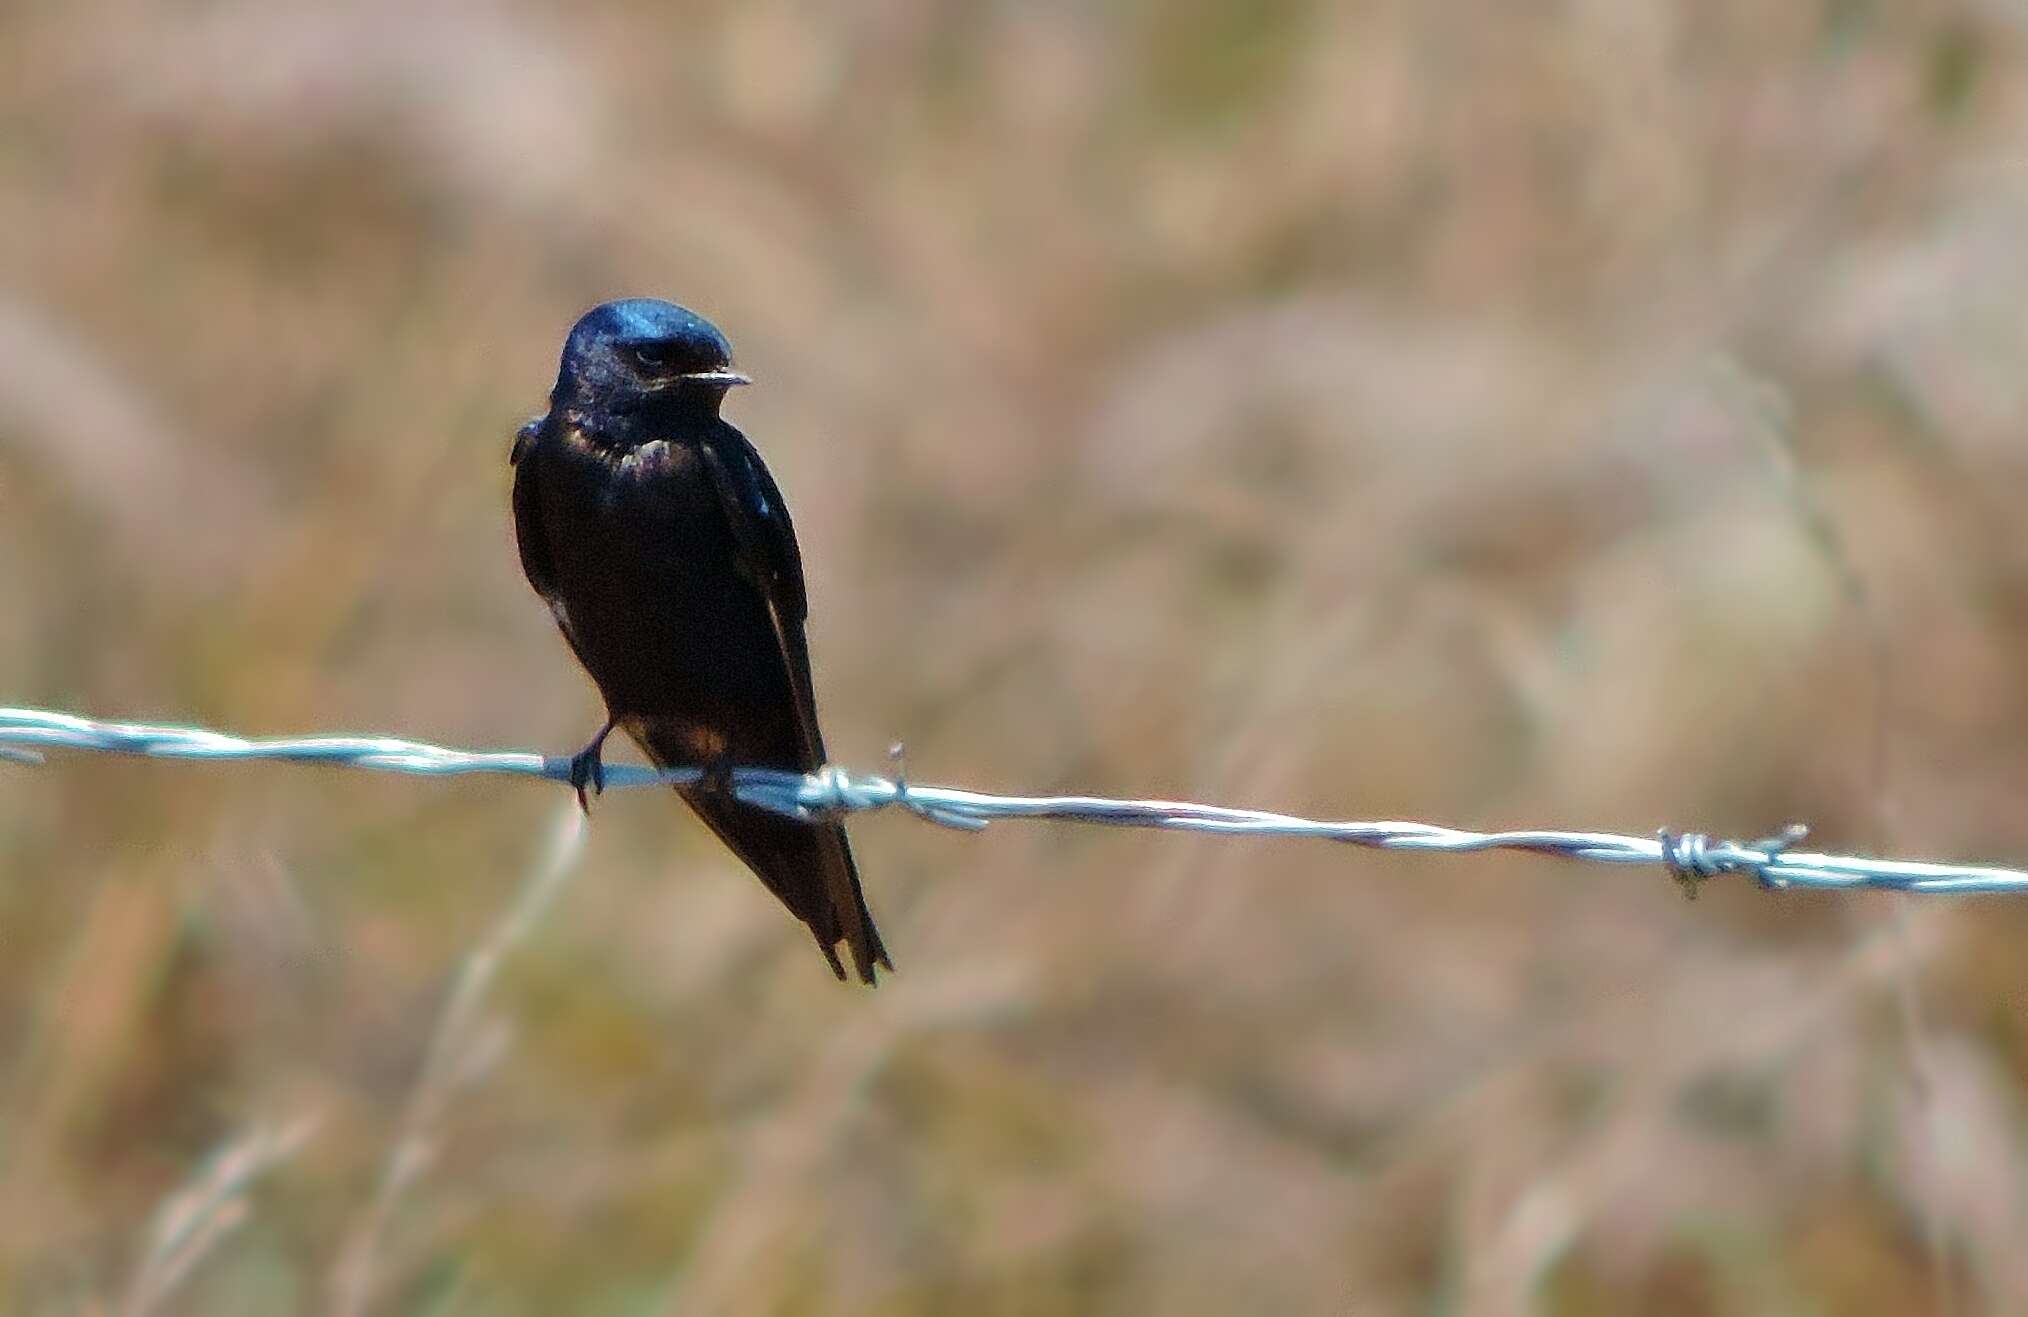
{"x":1591,"y":415}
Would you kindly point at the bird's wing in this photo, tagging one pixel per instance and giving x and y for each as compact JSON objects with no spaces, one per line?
{"x":529,"y":535}
{"x":769,"y":558}
{"x":530,"y":431}
{"x":536,"y":563}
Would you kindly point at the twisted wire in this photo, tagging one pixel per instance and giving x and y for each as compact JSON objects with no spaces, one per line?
{"x":1691,"y":858}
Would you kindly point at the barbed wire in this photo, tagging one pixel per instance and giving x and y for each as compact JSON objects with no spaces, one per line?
{"x":1690,"y":857}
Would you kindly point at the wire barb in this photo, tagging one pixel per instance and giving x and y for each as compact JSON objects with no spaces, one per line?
{"x":1687,"y":858}
{"x":1691,"y":858}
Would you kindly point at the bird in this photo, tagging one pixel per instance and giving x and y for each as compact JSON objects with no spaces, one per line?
{"x":664,"y":550}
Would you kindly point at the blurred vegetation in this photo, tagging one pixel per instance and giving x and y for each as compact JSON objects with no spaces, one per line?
{"x":1598,"y":414}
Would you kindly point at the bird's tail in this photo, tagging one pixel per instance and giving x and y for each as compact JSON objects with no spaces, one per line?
{"x":808,"y":866}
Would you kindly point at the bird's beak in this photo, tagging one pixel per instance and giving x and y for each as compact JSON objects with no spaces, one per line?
{"x":721,"y":375}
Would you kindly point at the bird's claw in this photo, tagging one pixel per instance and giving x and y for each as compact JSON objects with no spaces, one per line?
{"x":715,"y":777}
{"x":588,"y":768}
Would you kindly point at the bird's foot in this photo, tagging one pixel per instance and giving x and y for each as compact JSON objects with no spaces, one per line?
{"x":588,"y":768}
{"x":715,"y":775}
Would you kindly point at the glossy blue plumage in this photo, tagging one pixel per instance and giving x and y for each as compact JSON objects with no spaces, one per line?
{"x":665,"y":551}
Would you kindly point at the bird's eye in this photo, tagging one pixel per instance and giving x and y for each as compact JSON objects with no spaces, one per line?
{"x":651,"y":356}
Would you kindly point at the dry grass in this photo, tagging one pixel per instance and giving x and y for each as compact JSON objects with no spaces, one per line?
{"x":1491,"y":413}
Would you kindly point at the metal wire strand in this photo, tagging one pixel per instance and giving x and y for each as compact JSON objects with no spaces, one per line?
{"x":1691,"y":858}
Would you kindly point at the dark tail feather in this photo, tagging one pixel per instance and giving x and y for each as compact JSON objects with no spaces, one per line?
{"x":809,"y":868}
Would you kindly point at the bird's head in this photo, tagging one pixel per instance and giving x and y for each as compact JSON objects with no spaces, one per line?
{"x":623,"y":356}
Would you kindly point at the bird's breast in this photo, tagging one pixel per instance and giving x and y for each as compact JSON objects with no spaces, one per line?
{"x":647,"y":578}
{"x":658,"y":491}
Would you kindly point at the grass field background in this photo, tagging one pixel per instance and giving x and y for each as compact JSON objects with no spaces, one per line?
{"x":1592,"y":414}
